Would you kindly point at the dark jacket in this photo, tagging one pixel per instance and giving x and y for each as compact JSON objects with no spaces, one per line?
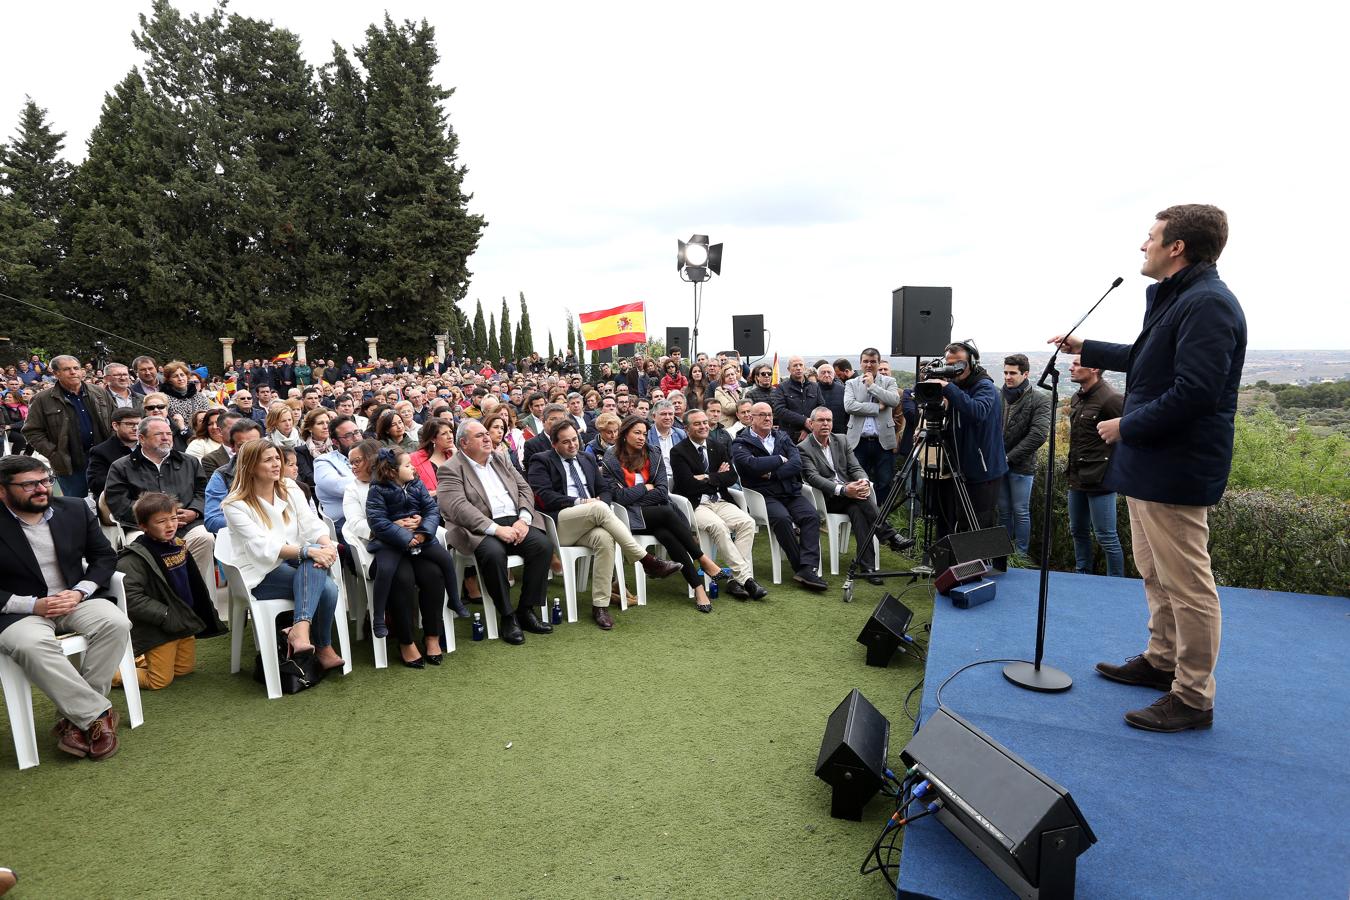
{"x":387,"y":501}
{"x":82,"y":552}
{"x":101,"y":458}
{"x":214,"y":460}
{"x":51,"y":428}
{"x":180,"y":477}
{"x":1089,"y":455}
{"x":976,"y":424}
{"x":1182,"y":377}
{"x":685,"y":464}
{"x":537,"y":444}
{"x":632,"y":499}
{"x":158,"y":615}
{"x":1026,"y":425}
{"x":548,"y":479}
{"x":777,"y":474}
{"x":833,"y":397}
{"x":792,"y":402}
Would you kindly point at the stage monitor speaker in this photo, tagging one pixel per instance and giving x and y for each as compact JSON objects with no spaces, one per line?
{"x":921,"y":320}
{"x":677,"y":337}
{"x":885,"y":632}
{"x":606,"y":355}
{"x":1019,"y":823}
{"x":961,"y":573}
{"x":964,"y":546}
{"x":747,"y":335}
{"x":853,"y":755}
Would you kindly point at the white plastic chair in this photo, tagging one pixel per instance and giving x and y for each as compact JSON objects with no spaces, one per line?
{"x":576,"y":569}
{"x":19,"y":692}
{"x":686,"y":509}
{"x":463,"y":562}
{"x":639,"y":574}
{"x":754,"y":505}
{"x":837,"y":527}
{"x":365,"y":610}
{"x":264,"y":615}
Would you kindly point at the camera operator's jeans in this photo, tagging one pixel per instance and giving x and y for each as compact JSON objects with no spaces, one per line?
{"x":1014,"y":509}
{"x":1090,"y":513}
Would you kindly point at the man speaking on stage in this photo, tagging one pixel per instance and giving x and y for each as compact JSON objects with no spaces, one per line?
{"x":1173,"y":450}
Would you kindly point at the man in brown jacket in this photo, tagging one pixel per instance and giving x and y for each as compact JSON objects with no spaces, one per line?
{"x":1091,"y":507}
{"x":66,"y":421}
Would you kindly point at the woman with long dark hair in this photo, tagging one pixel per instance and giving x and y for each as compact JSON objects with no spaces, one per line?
{"x":635,"y":475}
{"x":391,"y":431}
{"x":436,"y":447}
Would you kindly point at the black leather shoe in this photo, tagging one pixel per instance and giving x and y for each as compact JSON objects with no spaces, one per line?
{"x":419,"y":663}
{"x":1169,"y":714}
{"x":1137,"y":670}
{"x":459,"y":609}
{"x":509,"y":631}
{"x":527,"y":620}
{"x":737,"y":590}
{"x":755,"y":589}
{"x":899,"y":544}
{"x":808,"y":578}
{"x":873,"y":578}
{"x":434,"y":658}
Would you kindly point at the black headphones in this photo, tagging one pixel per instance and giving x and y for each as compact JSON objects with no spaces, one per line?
{"x":971,"y":350}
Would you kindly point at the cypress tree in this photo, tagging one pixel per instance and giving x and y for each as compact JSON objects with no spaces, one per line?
{"x":551,"y":352}
{"x":479,"y":332}
{"x":504,"y":344}
{"x":524,"y":336}
{"x":493,"y":348}
{"x":571,"y":335}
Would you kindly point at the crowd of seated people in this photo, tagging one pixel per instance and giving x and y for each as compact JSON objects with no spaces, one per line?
{"x":164,"y":458}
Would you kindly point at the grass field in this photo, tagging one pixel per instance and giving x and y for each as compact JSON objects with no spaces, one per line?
{"x":671,"y":757}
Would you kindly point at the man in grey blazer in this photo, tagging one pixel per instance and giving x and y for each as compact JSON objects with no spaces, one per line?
{"x":870,"y":399}
{"x":829,"y":466}
{"x":488,"y":511}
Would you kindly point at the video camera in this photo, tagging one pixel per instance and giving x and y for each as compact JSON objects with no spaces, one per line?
{"x":929,"y":393}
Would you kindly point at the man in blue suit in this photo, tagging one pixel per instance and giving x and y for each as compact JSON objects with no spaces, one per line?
{"x":769,"y":462}
{"x":1173,"y":448}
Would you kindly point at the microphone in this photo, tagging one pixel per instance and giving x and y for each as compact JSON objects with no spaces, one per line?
{"x":1118,"y":282}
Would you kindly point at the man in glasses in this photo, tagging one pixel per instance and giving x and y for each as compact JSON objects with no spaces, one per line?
{"x":54,"y":560}
{"x":118,"y":378}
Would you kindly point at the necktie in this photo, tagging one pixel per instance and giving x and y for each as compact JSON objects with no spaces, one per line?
{"x":576,"y":479}
{"x":703,"y":455}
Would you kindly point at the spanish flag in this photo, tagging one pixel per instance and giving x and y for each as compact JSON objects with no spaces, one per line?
{"x":625,"y":324}
{"x":774,"y":381}
{"x":283,"y":357}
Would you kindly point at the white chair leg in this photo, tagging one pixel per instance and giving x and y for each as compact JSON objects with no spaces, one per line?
{"x":131,"y":687}
{"x":266,"y":643}
{"x":775,"y":558}
{"x":19,"y":702}
{"x":569,"y":576}
{"x":489,"y":615}
{"x":343,"y":630}
{"x":620,"y":577}
{"x":238,"y":617}
{"x":448,"y":623}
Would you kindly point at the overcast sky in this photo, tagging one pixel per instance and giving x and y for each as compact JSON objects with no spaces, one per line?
{"x":1016,"y":152}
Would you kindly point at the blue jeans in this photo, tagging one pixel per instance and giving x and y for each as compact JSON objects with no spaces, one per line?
{"x":1090,"y":513}
{"x":74,"y":485}
{"x":1014,"y":509}
{"x":314,"y":591}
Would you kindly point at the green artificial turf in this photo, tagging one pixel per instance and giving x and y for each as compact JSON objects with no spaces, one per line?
{"x":671,"y":757}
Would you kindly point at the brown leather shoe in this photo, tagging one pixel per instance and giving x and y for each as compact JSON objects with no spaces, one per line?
{"x":1137,"y":670}
{"x":656,"y":567}
{"x":1169,"y":714}
{"x":102,"y":734}
{"x":70,"y":739}
{"x":602,"y":617}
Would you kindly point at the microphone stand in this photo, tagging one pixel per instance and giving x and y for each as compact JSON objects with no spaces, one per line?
{"x":1034,"y":676}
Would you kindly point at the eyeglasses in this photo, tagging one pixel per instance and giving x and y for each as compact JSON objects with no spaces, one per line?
{"x":29,"y":487}
{"x":155,"y":406}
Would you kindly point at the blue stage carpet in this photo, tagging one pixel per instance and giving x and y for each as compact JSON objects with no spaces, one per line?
{"x":1256,"y":807}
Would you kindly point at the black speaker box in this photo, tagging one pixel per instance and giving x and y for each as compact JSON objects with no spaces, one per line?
{"x":1019,"y":823}
{"x":884,"y":633}
{"x":963,"y":546}
{"x":605,"y":356}
{"x":921,"y":320}
{"x":853,"y":755}
{"x":678,"y":337}
{"x":747,"y":335}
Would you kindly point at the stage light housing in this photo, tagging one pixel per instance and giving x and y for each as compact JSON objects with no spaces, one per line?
{"x":697,"y":260}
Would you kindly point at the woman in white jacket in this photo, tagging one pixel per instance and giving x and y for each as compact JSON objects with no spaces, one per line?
{"x":282,"y":549}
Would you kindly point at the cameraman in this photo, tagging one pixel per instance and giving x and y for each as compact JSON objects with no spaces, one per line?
{"x":974,"y":428}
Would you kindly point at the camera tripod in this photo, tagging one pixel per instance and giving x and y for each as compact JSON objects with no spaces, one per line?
{"x":932,"y":446}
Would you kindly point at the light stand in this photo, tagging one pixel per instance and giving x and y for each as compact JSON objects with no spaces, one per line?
{"x":697,"y":261}
{"x":1034,"y":676}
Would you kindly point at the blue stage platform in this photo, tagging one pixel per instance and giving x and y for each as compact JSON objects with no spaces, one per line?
{"x":1258,"y":806}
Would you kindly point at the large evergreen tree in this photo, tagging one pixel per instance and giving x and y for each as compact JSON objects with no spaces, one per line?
{"x":505,"y":340}
{"x":493,"y":348}
{"x":571,"y":335}
{"x":524,"y":336}
{"x":479,"y":332}
{"x":551,"y":352}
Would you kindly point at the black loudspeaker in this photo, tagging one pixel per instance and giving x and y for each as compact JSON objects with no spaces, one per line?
{"x":963,"y":546}
{"x":853,"y":755}
{"x":747,"y":335}
{"x":921,"y":320}
{"x":1019,"y":823}
{"x":606,"y":355}
{"x":885,"y":632}
{"x":677,"y":337}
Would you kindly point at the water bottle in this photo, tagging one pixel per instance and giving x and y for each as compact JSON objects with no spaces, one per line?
{"x":556,"y":616}
{"x":479,"y":632}
{"x":712,"y":589}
